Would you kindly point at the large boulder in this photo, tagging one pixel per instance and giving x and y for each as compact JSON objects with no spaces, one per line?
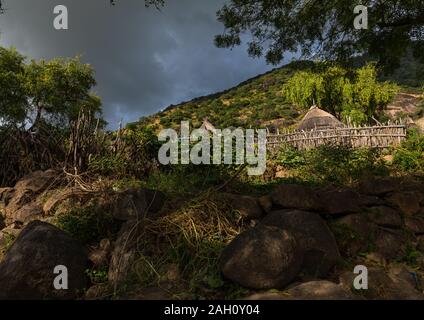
{"x":263,"y":257}
{"x":313,"y":236}
{"x":385,"y":217}
{"x":295,"y":197}
{"x":27,"y":270}
{"x":407,"y":202}
{"x":22,"y":196}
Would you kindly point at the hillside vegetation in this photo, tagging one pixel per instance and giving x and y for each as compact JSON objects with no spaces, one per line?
{"x":266,"y":101}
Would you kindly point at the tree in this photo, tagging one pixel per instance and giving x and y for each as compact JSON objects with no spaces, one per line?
{"x":50,"y":91}
{"x":324,"y":28}
{"x":353,"y":95}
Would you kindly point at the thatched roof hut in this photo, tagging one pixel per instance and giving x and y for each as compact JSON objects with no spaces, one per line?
{"x":318,"y":119}
{"x":207,"y":125}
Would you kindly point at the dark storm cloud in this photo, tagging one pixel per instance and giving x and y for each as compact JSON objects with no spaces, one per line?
{"x":144,"y":59}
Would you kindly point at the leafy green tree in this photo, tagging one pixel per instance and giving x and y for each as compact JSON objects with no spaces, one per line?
{"x":353,"y":95}
{"x":325,"y":28}
{"x":50,"y":91}
{"x":13,"y":100}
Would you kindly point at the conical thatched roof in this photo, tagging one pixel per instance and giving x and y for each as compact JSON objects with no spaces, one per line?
{"x":207,"y":125}
{"x":318,"y":119}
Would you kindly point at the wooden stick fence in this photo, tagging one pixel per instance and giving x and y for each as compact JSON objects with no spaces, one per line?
{"x":381,"y":136}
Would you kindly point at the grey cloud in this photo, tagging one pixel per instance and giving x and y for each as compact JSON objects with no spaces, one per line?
{"x":144,"y":59}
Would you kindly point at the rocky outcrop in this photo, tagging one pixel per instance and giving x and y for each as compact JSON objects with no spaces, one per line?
{"x":27,"y":270}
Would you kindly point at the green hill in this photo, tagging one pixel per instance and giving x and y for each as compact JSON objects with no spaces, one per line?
{"x":257,"y":102}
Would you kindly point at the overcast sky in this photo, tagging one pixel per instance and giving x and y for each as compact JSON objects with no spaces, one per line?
{"x":144,"y":59}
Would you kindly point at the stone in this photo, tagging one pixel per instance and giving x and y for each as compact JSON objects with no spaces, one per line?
{"x":295,"y":197}
{"x":99,"y":291}
{"x":420,"y":243}
{"x":29,"y":212}
{"x":262,"y":296}
{"x":27,"y":270}
{"x":312,"y":234}
{"x":375,"y":258}
{"x":247,"y":206}
{"x":2,"y":222}
{"x":353,"y":233}
{"x":407,"y":202}
{"x":266,"y":203}
{"x":61,"y":196}
{"x":390,"y":243}
{"x":36,"y":182}
{"x":135,"y":203}
{"x":415,"y":224}
{"x":370,"y":201}
{"x":378,"y":186}
{"x":6,"y":194}
{"x":9,"y":233}
{"x":385,"y":217}
{"x":319,"y":290}
{"x":124,"y":252}
{"x":339,"y":201}
{"x":100,"y":256}
{"x":404,"y":277}
{"x":263,"y":257}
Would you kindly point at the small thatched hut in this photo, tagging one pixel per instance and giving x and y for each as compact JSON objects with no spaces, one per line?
{"x":317,"y":119}
{"x":207,"y":126}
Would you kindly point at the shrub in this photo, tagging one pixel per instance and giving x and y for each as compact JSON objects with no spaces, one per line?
{"x":355,"y":95}
{"x":88,"y":225}
{"x":335,"y":164}
{"x":409,"y":157}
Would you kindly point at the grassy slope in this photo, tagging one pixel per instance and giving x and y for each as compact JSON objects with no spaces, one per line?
{"x":257,"y":102}
{"x":252,"y":103}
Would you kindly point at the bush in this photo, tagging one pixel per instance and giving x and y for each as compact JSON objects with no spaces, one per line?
{"x":409,"y":157}
{"x":334,"y":164}
{"x":88,"y":225}
{"x":354,"y":95}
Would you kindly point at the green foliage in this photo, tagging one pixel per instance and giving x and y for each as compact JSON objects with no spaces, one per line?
{"x":132,"y":154}
{"x":192,"y":238}
{"x":409,"y":157}
{"x":276,"y":27}
{"x":291,"y":158}
{"x":250,"y":104}
{"x":88,"y":225}
{"x":8,"y":241}
{"x":53,"y":91}
{"x":97,"y":276}
{"x":356,"y":96}
{"x":333,"y":164}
